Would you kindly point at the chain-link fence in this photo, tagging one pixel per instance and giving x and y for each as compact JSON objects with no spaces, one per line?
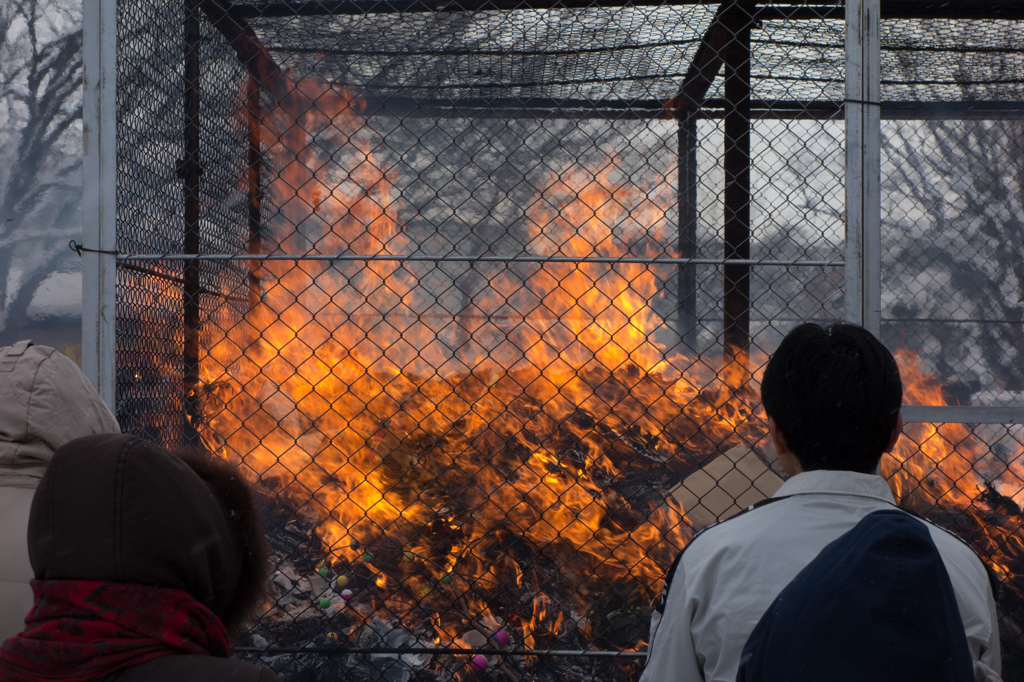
{"x":477,"y":295}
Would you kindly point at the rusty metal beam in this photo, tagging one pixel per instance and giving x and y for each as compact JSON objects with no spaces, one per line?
{"x":703,"y":70}
{"x":725,"y":43}
{"x":706,"y":64}
{"x":251,"y":53}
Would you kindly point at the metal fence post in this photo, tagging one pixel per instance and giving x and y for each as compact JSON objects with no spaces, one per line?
{"x":686,"y":276}
{"x":190,"y":171}
{"x":99,"y":174}
{"x":863,"y":169}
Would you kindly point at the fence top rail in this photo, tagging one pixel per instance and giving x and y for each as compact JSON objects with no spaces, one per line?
{"x":890,"y":9}
{"x":285,"y":8}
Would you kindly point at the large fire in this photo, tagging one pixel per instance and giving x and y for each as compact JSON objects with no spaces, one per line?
{"x":463,"y":479}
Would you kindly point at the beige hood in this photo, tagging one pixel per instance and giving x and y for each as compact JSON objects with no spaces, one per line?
{"x":45,"y":401}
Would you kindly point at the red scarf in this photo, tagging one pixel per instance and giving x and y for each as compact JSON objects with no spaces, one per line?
{"x":81,"y":630}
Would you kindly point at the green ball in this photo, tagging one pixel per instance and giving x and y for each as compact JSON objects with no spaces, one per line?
{"x":367,"y":557}
{"x":446,"y":578}
{"x":323,"y":571}
{"x":325,"y":602}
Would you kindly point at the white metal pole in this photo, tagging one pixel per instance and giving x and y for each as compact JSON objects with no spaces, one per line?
{"x":863,"y":165}
{"x":98,"y":209}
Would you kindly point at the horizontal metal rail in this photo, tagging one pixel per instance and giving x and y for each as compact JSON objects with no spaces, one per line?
{"x":962,"y":414}
{"x":946,"y":320}
{"x":288,"y":48}
{"x":347,"y":51}
{"x":338,"y":650}
{"x":553,"y":108}
{"x":379,"y":102}
{"x":612,"y":260}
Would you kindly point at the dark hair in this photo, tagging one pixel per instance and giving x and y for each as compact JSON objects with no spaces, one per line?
{"x":239,"y":505}
{"x":835,"y":396}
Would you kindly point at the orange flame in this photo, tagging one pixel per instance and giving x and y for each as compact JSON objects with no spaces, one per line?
{"x":434,"y":473}
{"x":941,"y":466}
{"x":462,"y":482}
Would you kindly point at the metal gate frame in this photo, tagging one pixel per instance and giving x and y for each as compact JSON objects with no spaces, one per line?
{"x":863,"y":220}
{"x":862,"y":171}
{"x":99,"y":197}
{"x":863,"y":114}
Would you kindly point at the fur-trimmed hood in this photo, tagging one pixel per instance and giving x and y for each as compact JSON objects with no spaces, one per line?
{"x":117,"y":508}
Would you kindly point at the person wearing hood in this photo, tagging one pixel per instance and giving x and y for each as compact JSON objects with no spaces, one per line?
{"x":830,"y":541}
{"x":145,"y":562}
{"x":46,"y":402}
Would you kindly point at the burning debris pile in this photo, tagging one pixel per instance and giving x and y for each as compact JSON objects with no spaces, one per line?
{"x":513,"y":484}
{"x":455,"y":479}
{"x":329,"y":619}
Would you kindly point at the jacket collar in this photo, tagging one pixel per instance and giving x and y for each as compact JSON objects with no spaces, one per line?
{"x":837,"y":483}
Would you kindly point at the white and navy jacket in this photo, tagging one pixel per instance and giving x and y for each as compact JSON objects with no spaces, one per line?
{"x":730,"y":574}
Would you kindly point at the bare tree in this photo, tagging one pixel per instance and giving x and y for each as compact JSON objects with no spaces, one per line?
{"x":952,"y":242}
{"x":953,"y":212}
{"x":40,"y":144}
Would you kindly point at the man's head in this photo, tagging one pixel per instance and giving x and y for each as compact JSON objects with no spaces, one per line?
{"x":833,"y":394}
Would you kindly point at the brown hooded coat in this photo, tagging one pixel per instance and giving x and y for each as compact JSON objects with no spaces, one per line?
{"x":45,"y":401}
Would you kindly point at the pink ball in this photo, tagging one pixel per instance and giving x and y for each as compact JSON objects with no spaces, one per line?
{"x":346,"y":594}
{"x":501,"y":637}
{"x":479,"y":662}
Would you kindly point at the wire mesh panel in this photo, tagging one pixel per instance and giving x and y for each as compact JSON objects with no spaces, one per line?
{"x":478,"y":298}
{"x":182,"y":169}
{"x":951,"y":262}
{"x":952,"y":213}
{"x":955,"y":228}
{"x":968,"y":478}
